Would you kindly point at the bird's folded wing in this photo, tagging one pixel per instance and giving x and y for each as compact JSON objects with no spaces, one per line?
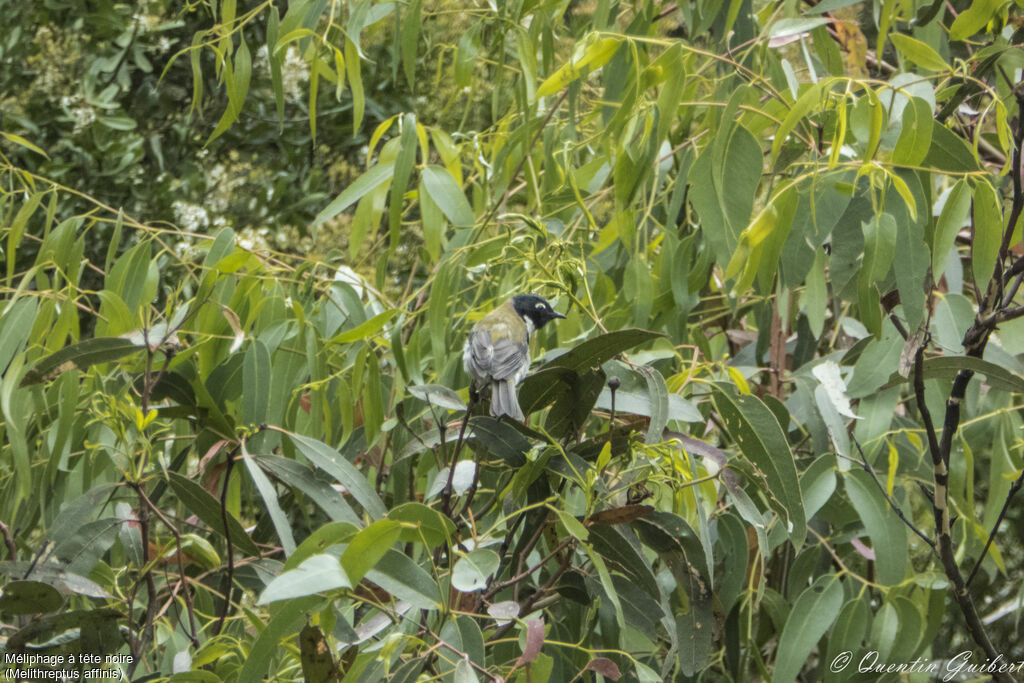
{"x":501,"y":359}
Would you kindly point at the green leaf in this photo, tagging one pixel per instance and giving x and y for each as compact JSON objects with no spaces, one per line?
{"x":403,"y":170}
{"x":376,"y":176}
{"x":946,"y":367}
{"x":974,"y":18}
{"x":949,"y":153}
{"x":851,"y":626}
{"x":912,"y":273}
{"x":879,"y":251}
{"x":318,"y":574}
{"x":366,"y":329}
{"x":501,"y":439}
{"x":448,"y":196}
{"x":813,"y":613}
{"x":887,"y":533}
{"x":303,"y":478}
{"x":800,"y":109}
{"x":256,"y":383}
{"x":920,"y":53}
{"x":988,"y":228}
{"x":438,"y":395}
{"x":369,"y":546}
{"x":916,"y":132}
{"x":760,"y":438}
{"x":335,"y":464}
{"x":433,"y":223}
{"x":405,"y":580}
{"x":422,"y":524}
{"x":80,"y":355}
{"x":18,"y":140}
{"x":723,"y":182}
{"x":355,"y":79}
{"x":597,"y":351}
{"x":236,"y":80}
{"x":952,"y":218}
{"x":269,"y":496}
{"x":590,"y":54}
{"x":315,"y":654}
{"x":284,"y":621}
{"x":197,"y":501}
{"x":472,"y":569}
{"x":658,"y":394}
{"x":620,"y":549}
{"x":409,"y":37}
{"x":29,"y":597}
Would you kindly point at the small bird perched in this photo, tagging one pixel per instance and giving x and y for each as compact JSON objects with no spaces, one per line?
{"x":497,"y":352}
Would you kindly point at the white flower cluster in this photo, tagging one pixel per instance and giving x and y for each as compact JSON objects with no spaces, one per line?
{"x":254,"y":239}
{"x":221,"y":183}
{"x":144,"y":23}
{"x":294,"y":70}
{"x":81,"y":112}
{"x":190,"y":217}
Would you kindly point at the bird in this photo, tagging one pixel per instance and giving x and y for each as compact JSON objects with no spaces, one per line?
{"x":497,"y":351}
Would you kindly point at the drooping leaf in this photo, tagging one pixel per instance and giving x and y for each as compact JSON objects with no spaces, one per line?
{"x":318,"y":574}
{"x":813,"y":613}
{"x":761,"y":439}
{"x":81,"y":355}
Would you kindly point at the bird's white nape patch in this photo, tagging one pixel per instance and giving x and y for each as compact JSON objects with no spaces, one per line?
{"x":529,"y":325}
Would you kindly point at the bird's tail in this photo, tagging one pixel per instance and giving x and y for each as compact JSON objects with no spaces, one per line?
{"x":504,"y":400}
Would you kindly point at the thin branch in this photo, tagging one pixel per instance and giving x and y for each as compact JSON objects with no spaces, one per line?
{"x":230,"y":578}
{"x":995,"y":527}
{"x":892,"y":504}
{"x":446,"y":496}
{"x":12,"y":549}
{"x":189,"y":607}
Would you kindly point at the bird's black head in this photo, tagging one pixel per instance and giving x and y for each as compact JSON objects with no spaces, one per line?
{"x":535,"y":308}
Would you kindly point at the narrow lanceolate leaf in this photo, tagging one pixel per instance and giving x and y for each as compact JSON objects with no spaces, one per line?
{"x":405,"y":580}
{"x":81,"y":356}
{"x":593,"y":53}
{"x":369,"y":545}
{"x":812,"y":614}
{"x":988,"y":224}
{"x":915,"y":134}
{"x":448,"y":196}
{"x":954,"y":212}
{"x":658,"y":394}
{"x":344,"y":472}
{"x":362,"y":186}
{"x":236,"y":78}
{"x":256,"y":383}
{"x":403,"y":169}
{"x":886,"y":531}
{"x":920,"y":53}
{"x":410,"y":36}
{"x":269,"y":496}
{"x":198,"y":501}
{"x":317,"y":574}
{"x":438,"y":395}
{"x":761,"y":440}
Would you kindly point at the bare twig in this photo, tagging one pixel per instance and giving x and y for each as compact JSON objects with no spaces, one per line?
{"x":446,"y":496}
{"x":12,"y":549}
{"x":892,"y":504}
{"x":995,"y":527}
{"x":189,"y":607}
{"x":230,"y":578}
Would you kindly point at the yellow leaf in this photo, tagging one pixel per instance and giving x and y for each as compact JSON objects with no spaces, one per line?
{"x":591,"y":55}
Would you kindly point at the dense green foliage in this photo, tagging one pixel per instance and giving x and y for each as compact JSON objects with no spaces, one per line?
{"x":244,"y":242}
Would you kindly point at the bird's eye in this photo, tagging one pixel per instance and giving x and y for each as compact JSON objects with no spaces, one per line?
{"x":541,"y":305}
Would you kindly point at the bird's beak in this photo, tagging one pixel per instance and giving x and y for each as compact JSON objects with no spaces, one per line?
{"x":558,"y":315}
